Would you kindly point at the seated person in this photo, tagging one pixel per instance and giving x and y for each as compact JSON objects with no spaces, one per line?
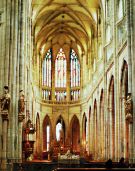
{"x":108,"y":164}
{"x":122,"y":163}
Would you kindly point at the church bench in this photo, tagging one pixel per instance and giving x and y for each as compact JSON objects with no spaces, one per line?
{"x":90,"y":169}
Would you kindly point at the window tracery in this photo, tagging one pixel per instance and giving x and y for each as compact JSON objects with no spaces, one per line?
{"x":60,"y":76}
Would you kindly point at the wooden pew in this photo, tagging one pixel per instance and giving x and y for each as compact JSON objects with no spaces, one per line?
{"x":90,"y":169}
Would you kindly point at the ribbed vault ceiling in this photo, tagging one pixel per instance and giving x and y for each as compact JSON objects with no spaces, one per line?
{"x":64,"y":23}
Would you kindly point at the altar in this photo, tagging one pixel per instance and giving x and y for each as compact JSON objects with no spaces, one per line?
{"x":68,"y":158}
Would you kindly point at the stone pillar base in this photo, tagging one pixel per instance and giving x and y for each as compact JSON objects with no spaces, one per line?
{"x":21,"y":116}
{"x":4,"y":164}
{"x":4,"y":114}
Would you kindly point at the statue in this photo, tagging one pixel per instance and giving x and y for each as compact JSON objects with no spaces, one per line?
{"x":128,"y":108}
{"x":21,"y":102}
{"x":5,"y":100}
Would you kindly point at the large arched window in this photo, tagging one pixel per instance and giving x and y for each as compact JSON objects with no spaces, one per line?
{"x":74,"y":75}
{"x":75,"y":70}
{"x":60,"y":76}
{"x":47,"y":75}
{"x":60,"y":69}
{"x":46,"y":79}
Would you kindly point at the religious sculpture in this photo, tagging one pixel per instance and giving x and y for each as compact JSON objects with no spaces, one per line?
{"x":128,"y":108}
{"x":21,"y":102}
{"x":5,"y":100}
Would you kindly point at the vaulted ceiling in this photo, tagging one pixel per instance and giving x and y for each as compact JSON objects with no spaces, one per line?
{"x":64,"y":23}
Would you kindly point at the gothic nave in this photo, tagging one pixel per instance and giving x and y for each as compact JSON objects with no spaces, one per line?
{"x":67,"y":76}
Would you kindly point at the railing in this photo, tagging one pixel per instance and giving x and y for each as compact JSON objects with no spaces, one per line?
{"x":60,"y":102}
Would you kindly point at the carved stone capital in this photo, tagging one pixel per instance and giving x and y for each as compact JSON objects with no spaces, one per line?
{"x":21,"y":116}
{"x":4,"y":115}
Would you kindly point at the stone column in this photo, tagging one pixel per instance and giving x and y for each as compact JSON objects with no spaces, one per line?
{"x":128,"y":5}
{"x":130,"y":44}
{"x":133,"y":76}
{"x":22,"y":30}
{"x":116,"y":89}
{"x":91,"y":131}
{"x":20,"y":119}
{"x":88,"y":121}
{"x":68,"y":79}
{"x":4,"y":115}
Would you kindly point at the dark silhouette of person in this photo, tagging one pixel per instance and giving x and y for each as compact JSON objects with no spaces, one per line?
{"x":108,"y":164}
{"x":122,"y":163}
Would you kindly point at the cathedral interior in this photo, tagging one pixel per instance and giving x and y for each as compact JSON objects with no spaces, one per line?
{"x":67,"y":76}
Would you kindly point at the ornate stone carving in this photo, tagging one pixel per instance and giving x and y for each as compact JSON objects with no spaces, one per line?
{"x":21,"y":103}
{"x":5,"y":100}
{"x":128,"y":108}
{"x":21,"y":106}
{"x":5,"y":103}
{"x":21,"y":117}
{"x":4,"y":115}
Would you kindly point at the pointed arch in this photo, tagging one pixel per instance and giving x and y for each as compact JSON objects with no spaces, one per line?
{"x":89,"y":123}
{"x":95,"y":129}
{"x":89,"y":130}
{"x":75,"y":134}
{"x":111,"y":120}
{"x":101,"y":124}
{"x":47,"y":132}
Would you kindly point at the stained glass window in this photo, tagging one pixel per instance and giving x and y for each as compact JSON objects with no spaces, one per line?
{"x":75,"y":69}
{"x":46,"y":69}
{"x":60,"y":69}
{"x":47,"y":75}
{"x":74,"y":76}
{"x":60,"y":76}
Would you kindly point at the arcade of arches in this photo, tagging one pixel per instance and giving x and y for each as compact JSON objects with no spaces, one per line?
{"x":70,"y":71}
